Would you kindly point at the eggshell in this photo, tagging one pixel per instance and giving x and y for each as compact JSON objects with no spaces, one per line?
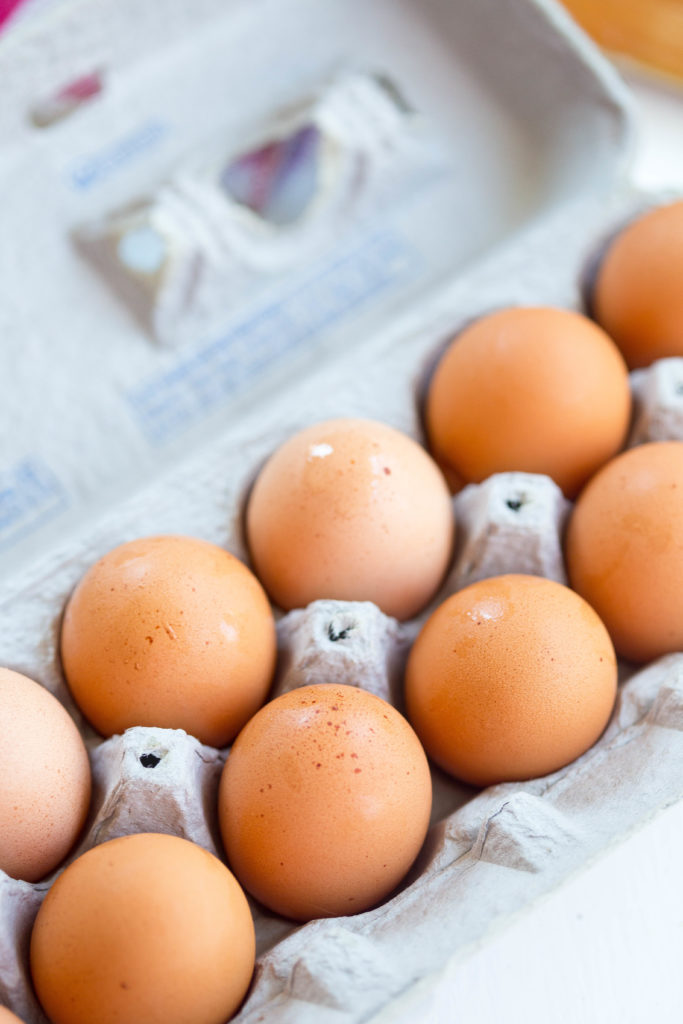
{"x":624,"y":549}
{"x":637,"y":295}
{"x":146,"y":928}
{"x":510,"y":678}
{"x":351,"y":510}
{"x":324,"y":802}
{"x":45,"y":773}
{"x":534,"y":390}
{"x":170,"y":632}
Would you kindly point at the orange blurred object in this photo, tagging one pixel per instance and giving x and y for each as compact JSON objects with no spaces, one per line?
{"x":649,"y":31}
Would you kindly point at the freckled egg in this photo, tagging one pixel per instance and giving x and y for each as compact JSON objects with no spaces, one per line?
{"x":352,"y":510}
{"x":510,"y":678}
{"x":45,"y":779}
{"x":535,"y":390}
{"x":624,"y":549}
{"x":171,"y":632}
{"x":147,"y":928}
{"x":324,"y":802}
{"x":637,"y":295}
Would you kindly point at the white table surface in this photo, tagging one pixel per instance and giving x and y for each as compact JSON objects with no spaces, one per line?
{"x":607,"y":947}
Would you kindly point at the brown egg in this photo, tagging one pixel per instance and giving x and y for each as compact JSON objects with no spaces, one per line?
{"x":625,"y":549}
{"x":45,"y":772}
{"x":352,"y":510}
{"x":637,"y":296}
{"x":537,"y":390}
{"x":7,"y":1017}
{"x":147,"y":928}
{"x":170,"y":632}
{"x":510,"y":678}
{"x":324,"y":802}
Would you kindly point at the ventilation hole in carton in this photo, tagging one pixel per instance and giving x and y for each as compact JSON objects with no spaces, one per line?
{"x":335,"y":634}
{"x":516,"y":503}
{"x":149,"y":760}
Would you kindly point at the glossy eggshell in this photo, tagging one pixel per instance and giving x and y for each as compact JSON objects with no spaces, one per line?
{"x":45,"y":779}
{"x":510,"y":678}
{"x":146,"y":928}
{"x":537,"y":390}
{"x":352,"y":510}
{"x":637,"y":295}
{"x":324,"y":802}
{"x":170,"y":632}
{"x":625,"y":549}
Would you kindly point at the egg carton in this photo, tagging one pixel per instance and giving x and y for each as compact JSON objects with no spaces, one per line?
{"x":485,"y":855}
{"x":489,"y":853}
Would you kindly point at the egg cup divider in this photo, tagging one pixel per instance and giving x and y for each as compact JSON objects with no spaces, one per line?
{"x":510,"y":520}
{"x":342,"y":642}
{"x":658,"y":402}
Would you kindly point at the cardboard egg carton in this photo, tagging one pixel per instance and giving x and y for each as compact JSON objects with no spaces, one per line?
{"x":486,"y":855}
{"x":114,"y":438}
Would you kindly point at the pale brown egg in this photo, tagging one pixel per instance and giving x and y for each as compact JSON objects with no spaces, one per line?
{"x":170,"y":632}
{"x":510,"y":678}
{"x":146,"y":928}
{"x":637,"y":295}
{"x":7,"y":1017}
{"x":45,"y":779}
{"x":324,"y":802}
{"x":536,"y":390}
{"x":624,"y":549}
{"x":353,"y":510}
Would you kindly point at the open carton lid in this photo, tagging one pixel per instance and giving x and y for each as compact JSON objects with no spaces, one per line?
{"x":506,"y":117}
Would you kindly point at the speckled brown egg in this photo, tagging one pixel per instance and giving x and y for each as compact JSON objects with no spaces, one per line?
{"x":324,"y":802}
{"x":510,"y":678}
{"x":149,"y":929}
{"x":535,"y":390}
{"x":637,"y":295}
{"x":171,"y":632}
{"x":45,"y":773}
{"x":625,"y":549}
{"x":353,"y":510}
